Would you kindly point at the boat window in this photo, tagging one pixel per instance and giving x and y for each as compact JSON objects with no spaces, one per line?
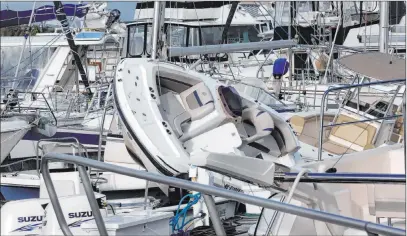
{"x":304,"y":6}
{"x":380,"y":108}
{"x":193,"y":37}
{"x":265,"y":27}
{"x":138,"y":44}
{"x":176,"y":35}
{"x":236,"y":34}
{"x":362,"y":106}
{"x":325,"y":6}
{"x":243,"y":34}
{"x":212,"y":35}
{"x":136,"y":40}
{"x":269,"y":100}
{"x":148,"y":45}
{"x":33,"y":62}
{"x":282,"y":16}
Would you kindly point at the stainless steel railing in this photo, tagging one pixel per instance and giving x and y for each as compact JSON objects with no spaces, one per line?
{"x":371,"y":228}
{"x":347,"y":87}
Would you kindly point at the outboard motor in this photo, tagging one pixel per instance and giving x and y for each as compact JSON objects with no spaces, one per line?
{"x":22,"y":217}
{"x":11,"y":98}
{"x":280,"y":68}
{"x":37,"y":216}
{"x":76,"y":210}
{"x":113,"y":17}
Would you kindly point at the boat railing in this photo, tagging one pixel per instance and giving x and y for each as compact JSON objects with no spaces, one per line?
{"x":207,"y":191}
{"x":307,"y":91}
{"x":65,"y":141}
{"x":348,"y":87}
{"x":34,"y":96}
{"x":258,"y":93}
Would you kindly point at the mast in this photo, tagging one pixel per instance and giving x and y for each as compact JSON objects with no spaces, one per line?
{"x":232,"y":11}
{"x":61,"y":16}
{"x":25,"y":42}
{"x":158,"y":24}
{"x":384,"y":27}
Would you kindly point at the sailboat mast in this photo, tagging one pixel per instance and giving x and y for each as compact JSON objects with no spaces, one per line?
{"x":384,"y":27}
{"x":232,"y":12}
{"x":158,"y":23}
{"x":61,"y":16}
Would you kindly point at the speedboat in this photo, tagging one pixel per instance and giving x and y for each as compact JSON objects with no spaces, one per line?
{"x":171,"y":114}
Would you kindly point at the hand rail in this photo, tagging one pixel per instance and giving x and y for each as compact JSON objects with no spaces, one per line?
{"x":37,"y":147}
{"x":33,"y":93}
{"x":343,"y":88}
{"x":203,"y":189}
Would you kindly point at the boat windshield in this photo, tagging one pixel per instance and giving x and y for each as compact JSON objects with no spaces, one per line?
{"x":32,"y":64}
{"x":236,"y":34}
{"x":259,"y":94}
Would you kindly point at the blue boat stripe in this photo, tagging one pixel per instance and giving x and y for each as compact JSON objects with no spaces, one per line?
{"x":350,"y":175}
{"x":268,"y":129}
{"x":25,"y":228}
{"x":197,"y":98}
{"x":260,"y":112}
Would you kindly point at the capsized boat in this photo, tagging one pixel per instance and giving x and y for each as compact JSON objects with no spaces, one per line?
{"x":171,"y":113}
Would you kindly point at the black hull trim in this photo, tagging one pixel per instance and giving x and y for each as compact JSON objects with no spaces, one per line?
{"x":163,"y":170}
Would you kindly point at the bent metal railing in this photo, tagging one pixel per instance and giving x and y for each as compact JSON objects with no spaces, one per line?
{"x":323,"y":101}
{"x":369,"y":227}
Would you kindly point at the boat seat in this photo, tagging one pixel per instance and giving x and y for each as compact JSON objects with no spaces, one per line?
{"x":387,"y":201}
{"x":357,"y":136}
{"x":261,"y":120}
{"x":198,"y":101}
{"x":336,"y":148}
{"x":173,"y":111}
{"x":308,"y":128}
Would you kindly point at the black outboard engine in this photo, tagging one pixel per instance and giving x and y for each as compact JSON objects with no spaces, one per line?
{"x":113,"y":17}
{"x":11,"y":98}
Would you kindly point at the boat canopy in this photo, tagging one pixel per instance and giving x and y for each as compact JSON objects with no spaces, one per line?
{"x":44,"y":13}
{"x":375,"y":65}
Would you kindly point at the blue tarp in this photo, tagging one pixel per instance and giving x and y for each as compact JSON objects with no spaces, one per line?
{"x":44,"y":13}
{"x":280,"y":66}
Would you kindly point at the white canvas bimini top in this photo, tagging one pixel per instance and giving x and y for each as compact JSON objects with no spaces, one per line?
{"x":375,"y":65}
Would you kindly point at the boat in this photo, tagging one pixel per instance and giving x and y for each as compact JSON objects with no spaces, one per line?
{"x":13,"y":130}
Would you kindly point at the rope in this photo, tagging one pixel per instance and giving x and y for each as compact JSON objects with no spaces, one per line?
{"x":174,"y":222}
{"x":16,"y":162}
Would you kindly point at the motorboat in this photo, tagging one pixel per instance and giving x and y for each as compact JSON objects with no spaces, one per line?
{"x":170,"y":113}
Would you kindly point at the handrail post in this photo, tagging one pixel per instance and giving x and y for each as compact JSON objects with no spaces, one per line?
{"x":37,"y":157}
{"x":215,"y":191}
{"x":217,"y":224}
{"x":321,"y":132}
{"x":54,"y":198}
{"x":342,"y":88}
{"x":92,"y":200}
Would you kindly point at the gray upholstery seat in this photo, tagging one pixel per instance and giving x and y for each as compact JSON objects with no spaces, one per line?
{"x":261,"y":120}
{"x":192,"y":104}
{"x":198,"y":101}
{"x":173,"y":111}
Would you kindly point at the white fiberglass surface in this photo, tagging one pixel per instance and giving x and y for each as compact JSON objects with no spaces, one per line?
{"x":140,"y":87}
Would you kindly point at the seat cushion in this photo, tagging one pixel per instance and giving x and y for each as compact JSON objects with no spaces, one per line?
{"x":173,"y":111}
{"x":360,"y":134}
{"x":198,"y":101}
{"x":336,"y":148}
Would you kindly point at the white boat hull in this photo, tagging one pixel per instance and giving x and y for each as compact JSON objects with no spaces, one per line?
{"x":12,"y":131}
